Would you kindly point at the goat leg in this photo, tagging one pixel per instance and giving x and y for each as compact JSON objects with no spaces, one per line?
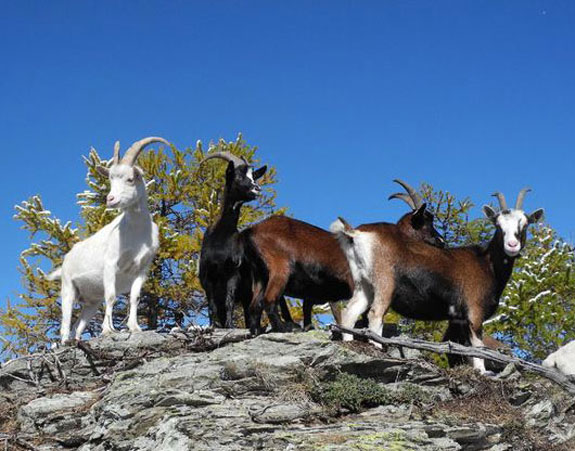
{"x":357,"y":305}
{"x":277,"y":324}
{"x":88,"y":311}
{"x":110,"y":298}
{"x":307,"y":314}
{"x":476,"y":337}
{"x":68,"y":299}
{"x":231,"y":290}
{"x":134,"y":301}
{"x":255,"y":310}
{"x":286,"y":314}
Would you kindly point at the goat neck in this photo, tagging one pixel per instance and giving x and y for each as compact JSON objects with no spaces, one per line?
{"x":229,"y":215}
{"x":500,"y":263}
{"x":138,"y":212}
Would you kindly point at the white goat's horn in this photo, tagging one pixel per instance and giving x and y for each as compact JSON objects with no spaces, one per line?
{"x":133,"y":152}
{"x":116,"y":159}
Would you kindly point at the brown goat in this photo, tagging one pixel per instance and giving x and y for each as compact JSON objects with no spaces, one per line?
{"x":461,"y":284}
{"x":298,"y":259}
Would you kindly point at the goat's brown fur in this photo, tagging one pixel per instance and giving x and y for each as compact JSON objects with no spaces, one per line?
{"x":305,"y":261}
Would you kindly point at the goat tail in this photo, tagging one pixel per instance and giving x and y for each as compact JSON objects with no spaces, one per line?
{"x":341,"y":227}
{"x":55,"y":275}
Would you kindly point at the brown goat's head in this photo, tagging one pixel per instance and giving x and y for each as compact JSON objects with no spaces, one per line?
{"x":418,"y":223}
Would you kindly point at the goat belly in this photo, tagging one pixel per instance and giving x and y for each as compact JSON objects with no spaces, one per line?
{"x":424,"y":295}
{"x":315,"y":282}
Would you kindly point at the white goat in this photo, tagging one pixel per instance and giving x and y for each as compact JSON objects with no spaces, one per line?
{"x":115,"y":259}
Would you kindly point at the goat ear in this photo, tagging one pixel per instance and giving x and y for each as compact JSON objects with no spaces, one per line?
{"x":490,"y":213}
{"x":138,"y":172}
{"x":230,"y":172}
{"x":536,"y":216}
{"x":418,"y":217}
{"x":104,"y":171}
{"x":258,"y":173}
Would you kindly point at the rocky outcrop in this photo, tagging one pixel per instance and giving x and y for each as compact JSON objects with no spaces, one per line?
{"x":299,"y":391}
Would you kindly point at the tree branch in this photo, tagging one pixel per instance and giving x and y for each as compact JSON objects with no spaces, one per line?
{"x":449,"y":347}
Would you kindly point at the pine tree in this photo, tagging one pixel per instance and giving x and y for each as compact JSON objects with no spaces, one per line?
{"x":537,"y":312}
{"x":184,"y":199}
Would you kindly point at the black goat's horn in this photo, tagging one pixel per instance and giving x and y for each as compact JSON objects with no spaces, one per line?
{"x":228,"y":156}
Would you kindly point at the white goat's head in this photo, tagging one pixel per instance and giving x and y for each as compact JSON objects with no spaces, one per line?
{"x":126,"y":179}
{"x":511,"y":223}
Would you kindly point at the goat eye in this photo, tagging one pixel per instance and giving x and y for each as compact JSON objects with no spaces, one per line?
{"x":131,"y":180}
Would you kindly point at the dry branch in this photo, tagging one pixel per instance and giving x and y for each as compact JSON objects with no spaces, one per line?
{"x":449,"y":347}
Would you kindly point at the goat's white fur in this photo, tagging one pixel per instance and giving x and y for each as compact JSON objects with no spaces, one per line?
{"x":358,"y":248}
{"x":511,"y":225}
{"x":115,"y":260}
{"x":562,"y":359}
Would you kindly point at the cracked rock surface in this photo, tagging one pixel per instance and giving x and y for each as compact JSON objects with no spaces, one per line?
{"x":221,"y":390}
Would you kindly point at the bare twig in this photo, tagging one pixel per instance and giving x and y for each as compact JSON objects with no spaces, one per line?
{"x":31,"y":373}
{"x":449,"y":347}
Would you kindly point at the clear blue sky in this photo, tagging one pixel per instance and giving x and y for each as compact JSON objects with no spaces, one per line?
{"x":341,"y":96}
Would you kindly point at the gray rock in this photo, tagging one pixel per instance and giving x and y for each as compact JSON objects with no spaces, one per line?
{"x":218,"y":390}
{"x":540,"y":414}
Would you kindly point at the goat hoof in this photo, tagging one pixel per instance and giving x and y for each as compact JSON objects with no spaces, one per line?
{"x":255,"y":331}
{"x":281,"y":328}
{"x":295,"y":327}
{"x":308,"y":328}
{"x":336,"y":335}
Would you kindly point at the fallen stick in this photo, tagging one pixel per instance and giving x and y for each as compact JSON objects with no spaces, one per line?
{"x":448,"y":347}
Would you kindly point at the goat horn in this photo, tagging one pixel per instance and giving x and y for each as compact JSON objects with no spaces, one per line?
{"x":116,"y":159}
{"x":520,"y":197}
{"x":133,"y":152}
{"x":501,"y":199}
{"x":228,"y":156}
{"x":404,"y":197}
{"x":417,"y":200}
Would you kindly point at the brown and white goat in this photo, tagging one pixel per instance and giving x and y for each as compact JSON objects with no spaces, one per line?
{"x":461,"y":284}
{"x":298,"y":259}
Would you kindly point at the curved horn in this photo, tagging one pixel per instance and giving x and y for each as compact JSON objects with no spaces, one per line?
{"x":417,"y":200}
{"x":404,"y":197}
{"x":228,"y":156}
{"x":133,"y":152}
{"x":116,"y":159}
{"x":520,"y":197}
{"x":501,"y":199}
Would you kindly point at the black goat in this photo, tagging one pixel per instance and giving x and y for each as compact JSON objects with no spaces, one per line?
{"x":223,"y":273}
